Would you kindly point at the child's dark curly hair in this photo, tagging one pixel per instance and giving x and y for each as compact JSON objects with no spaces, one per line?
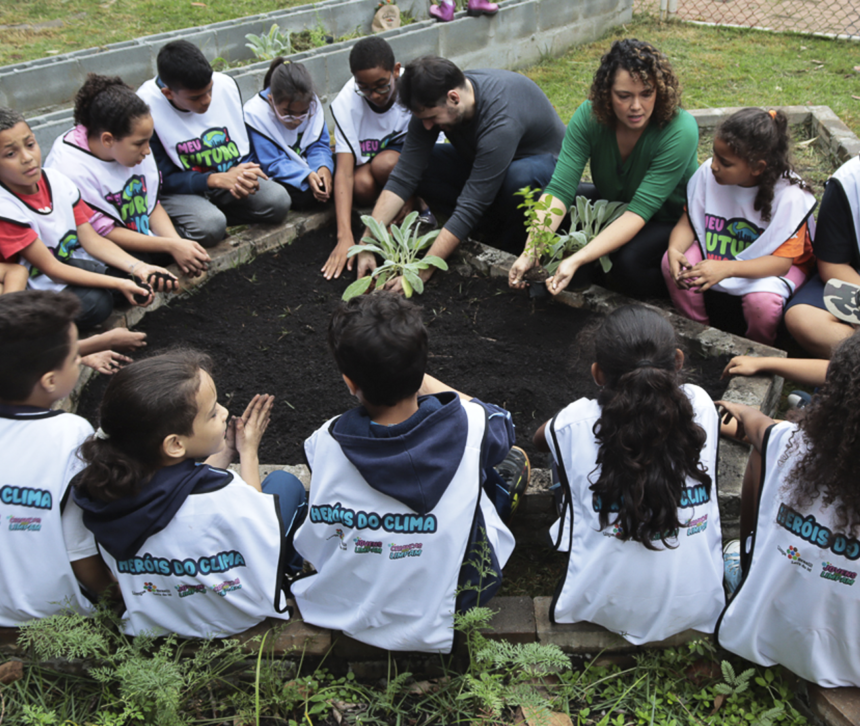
{"x":649,"y":441}
{"x":646,"y":64}
{"x":106,"y":103}
{"x":831,"y":429}
{"x":756,"y":135}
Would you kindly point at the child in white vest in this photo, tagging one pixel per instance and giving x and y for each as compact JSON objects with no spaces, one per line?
{"x":108,"y":158}
{"x":197,"y":550}
{"x":44,"y":225}
{"x":797,"y":604}
{"x":747,"y":227}
{"x":637,"y":467}
{"x":402,"y":529}
{"x":201,"y":146}
{"x":289,"y":136}
{"x":46,"y":549}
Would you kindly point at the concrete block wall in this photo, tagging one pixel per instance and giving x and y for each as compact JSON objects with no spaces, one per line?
{"x":520,"y":34}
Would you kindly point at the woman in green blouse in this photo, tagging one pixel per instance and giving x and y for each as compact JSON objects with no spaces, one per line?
{"x":642,"y":149}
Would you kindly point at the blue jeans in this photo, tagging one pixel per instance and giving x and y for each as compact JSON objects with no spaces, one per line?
{"x":293,"y":506}
{"x":503,"y":224}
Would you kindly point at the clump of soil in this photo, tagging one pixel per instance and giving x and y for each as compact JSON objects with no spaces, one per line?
{"x":265,"y":324}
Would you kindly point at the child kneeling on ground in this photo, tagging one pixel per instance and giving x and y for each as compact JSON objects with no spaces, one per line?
{"x":402,"y":527}
{"x":46,"y":549}
{"x":640,"y":519}
{"x":210,"y":547}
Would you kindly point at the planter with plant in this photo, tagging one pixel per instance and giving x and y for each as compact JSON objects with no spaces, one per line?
{"x":270,"y":45}
{"x":399,"y":249}
{"x":587,"y":219}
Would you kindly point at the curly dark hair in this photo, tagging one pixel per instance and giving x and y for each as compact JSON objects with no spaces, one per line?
{"x":646,"y":64}
{"x":106,"y":103}
{"x":756,"y":135}
{"x":649,"y":441}
{"x":831,"y":429}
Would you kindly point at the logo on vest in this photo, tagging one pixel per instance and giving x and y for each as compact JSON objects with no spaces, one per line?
{"x":186,"y":590}
{"x":227,"y":586}
{"x":397,"y":552}
{"x":809,"y":530}
{"x":831,"y":572}
{"x":150,"y":588}
{"x":793,"y":556}
{"x":131,"y":204}
{"x":26,"y":497}
{"x":372,"y":147}
{"x":63,"y":251}
{"x":222,"y":562}
{"x":338,"y":533}
{"x":726,"y":239}
{"x":214,"y":150}
{"x":389,"y":521}
{"x":25,"y":524}
{"x":363,"y":547}
{"x":694,"y":526}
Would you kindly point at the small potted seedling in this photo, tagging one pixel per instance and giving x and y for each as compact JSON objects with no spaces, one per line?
{"x":587,"y":219}
{"x":399,"y":249}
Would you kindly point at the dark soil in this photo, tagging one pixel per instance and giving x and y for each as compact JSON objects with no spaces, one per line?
{"x":265,"y":326}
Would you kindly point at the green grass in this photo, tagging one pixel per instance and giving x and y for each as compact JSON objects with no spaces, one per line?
{"x":722,"y":67}
{"x":89,"y":23}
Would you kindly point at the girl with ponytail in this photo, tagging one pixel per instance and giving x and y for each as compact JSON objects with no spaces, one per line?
{"x":637,"y":470}
{"x":287,"y":128}
{"x":747,"y":227}
{"x":214,"y":544}
{"x":108,"y":158}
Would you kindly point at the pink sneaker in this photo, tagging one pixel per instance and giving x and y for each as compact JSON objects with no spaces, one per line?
{"x":482,"y":7}
{"x":443,"y":12}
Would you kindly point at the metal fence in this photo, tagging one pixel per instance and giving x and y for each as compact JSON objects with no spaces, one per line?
{"x":831,"y":17}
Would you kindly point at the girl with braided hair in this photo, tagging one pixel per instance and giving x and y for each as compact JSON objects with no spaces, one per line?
{"x":747,"y":227}
{"x":107,"y":156}
{"x":637,"y":468}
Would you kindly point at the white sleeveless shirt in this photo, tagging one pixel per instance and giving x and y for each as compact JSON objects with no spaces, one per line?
{"x":293,"y":142}
{"x":799,"y":603}
{"x":386,"y":575}
{"x":127,"y":195}
{"x":848,"y":176}
{"x":213,"y":141}
{"x":56,"y":226}
{"x":643,"y":595}
{"x":728,"y":227}
{"x":363,"y":132}
{"x":36,"y":520}
{"x":214,"y":571}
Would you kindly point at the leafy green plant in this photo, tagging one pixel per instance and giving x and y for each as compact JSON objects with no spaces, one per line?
{"x":543,"y":242}
{"x":399,"y":249}
{"x":270,"y":45}
{"x":587,"y":220}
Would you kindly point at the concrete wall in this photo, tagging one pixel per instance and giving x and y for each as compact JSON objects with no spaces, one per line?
{"x":520,"y":34}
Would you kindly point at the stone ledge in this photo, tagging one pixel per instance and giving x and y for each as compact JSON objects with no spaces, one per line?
{"x":835,"y":706}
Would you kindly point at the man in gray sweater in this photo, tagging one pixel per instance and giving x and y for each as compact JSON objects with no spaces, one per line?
{"x":504,"y":135}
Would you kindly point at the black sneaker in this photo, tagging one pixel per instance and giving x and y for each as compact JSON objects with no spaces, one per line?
{"x":515,"y":470}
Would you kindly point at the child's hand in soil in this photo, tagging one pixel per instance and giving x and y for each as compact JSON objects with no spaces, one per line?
{"x":160,"y":279}
{"x":191,"y":257}
{"x":707,"y":273}
{"x":678,"y":263}
{"x":366,"y":264}
{"x":743,"y":365}
{"x":249,"y":429}
{"x":320,"y":182}
{"x":521,"y":266}
{"x":106,"y":361}
{"x":131,"y":290}
{"x":117,"y":339}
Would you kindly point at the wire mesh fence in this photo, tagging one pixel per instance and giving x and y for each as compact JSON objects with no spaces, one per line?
{"x":831,"y":17}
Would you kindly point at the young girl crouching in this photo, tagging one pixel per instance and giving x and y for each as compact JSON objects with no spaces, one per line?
{"x":636,"y":467}
{"x":196,"y":549}
{"x":747,"y":227}
{"x":798,"y":603}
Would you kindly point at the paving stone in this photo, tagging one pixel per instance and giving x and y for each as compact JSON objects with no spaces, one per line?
{"x":835,"y":706}
{"x":591,"y":638}
{"x":514,"y":620}
{"x":289,"y":637}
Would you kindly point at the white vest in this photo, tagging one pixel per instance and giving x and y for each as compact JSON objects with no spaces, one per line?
{"x":293,"y":142}
{"x":213,"y":141}
{"x":127,"y":195}
{"x":363,"y":132}
{"x":728,"y":227}
{"x":36,"y":578}
{"x":214,"y":571}
{"x":643,"y":595}
{"x":55,"y":227}
{"x":799,"y":604}
{"x":386,"y":575}
{"x":848,"y":176}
